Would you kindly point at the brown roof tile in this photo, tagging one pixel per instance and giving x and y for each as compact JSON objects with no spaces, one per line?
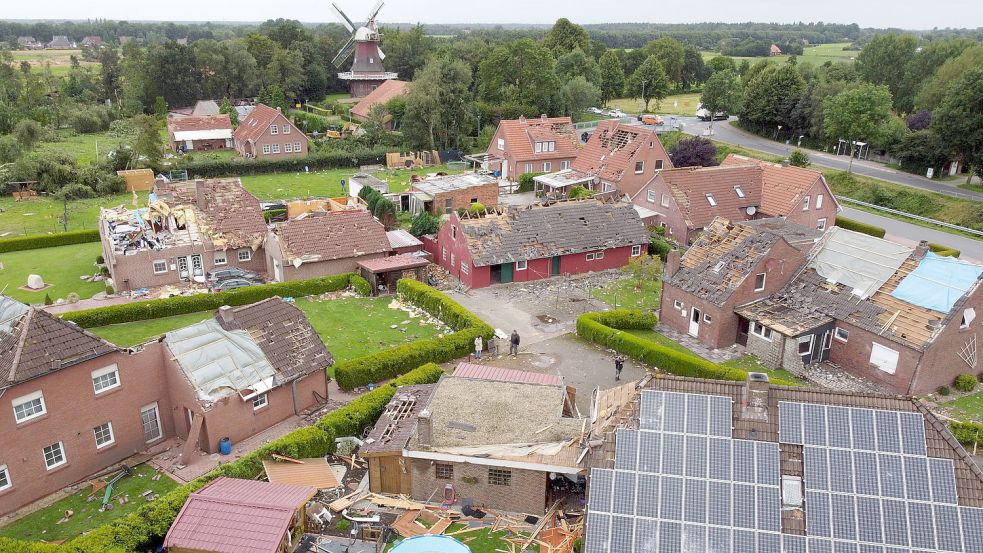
{"x":782,"y":187}
{"x":257,"y":123}
{"x":335,"y":235}
{"x":230,"y":214}
{"x":609,"y":152}
{"x":388,"y":90}
{"x":199,"y":123}
{"x":690,"y":185}
{"x":521,"y":135}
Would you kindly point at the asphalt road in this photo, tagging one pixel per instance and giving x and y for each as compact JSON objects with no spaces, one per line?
{"x":909,"y":234}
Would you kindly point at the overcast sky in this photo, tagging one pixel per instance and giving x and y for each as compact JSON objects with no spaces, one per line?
{"x":907,"y":14}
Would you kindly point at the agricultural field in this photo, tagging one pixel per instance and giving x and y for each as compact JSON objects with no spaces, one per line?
{"x":278,"y":186}
{"x":817,"y":54}
{"x":59,"y":61}
{"x":679,"y":104}
{"x":60,"y":266}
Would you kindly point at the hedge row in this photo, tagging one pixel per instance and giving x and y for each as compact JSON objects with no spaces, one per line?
{"x":390,"y":363}
{"x":314,"y":162}
{"x":145,"y":528}
{"x":38,"y":241}
{"x":967,"y":432}
{"x":944,"y":251}
{"x":857,"y":226}
{"x":607,"y":329}
{"x":167,"y":307}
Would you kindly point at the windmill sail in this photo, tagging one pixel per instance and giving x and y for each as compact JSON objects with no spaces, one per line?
{"x":374,"y":12}
{"x":342,"y":18}
{"x":344,"y":53}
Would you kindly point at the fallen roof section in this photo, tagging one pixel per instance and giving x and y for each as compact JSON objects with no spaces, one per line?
{"x":450,"y":183}
{"x":499,"y":374}
{"x":315,"y":472}
{"x":397,"y":424}
{"x":859,"y":261}
{"x":391,"y":263}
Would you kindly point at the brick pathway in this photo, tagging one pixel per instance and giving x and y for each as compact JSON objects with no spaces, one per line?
{"x":697,"y":347}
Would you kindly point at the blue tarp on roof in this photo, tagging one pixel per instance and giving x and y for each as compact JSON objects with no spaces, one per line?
{"x":938,"y":282}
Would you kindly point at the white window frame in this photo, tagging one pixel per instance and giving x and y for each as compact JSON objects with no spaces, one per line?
{"x":443,"y":252}
{"x":846,"y":334}
{"x":969,"y":314}
{"x":61,"y":453}
{"x":501,"y":143}
{"x":805,"y":203}
{"x":453,"y":260}
{"x":105,"y":371}
{"x":707,"y":318}
{"x":539,"y":147}
{"x":156,"y":262}
{"x":764,"y":282}
{"x":29,"y":398}
{"x":221,"y":258}
{"x":819,"y":201}
{"x":664,"y":202}
{"x":112,"y":435}
{"x":636,"y":250}
{"x":464,"y":267}
{"x":297,"y":148}
{"x":639,"y":167}
{"x":6,"y":483}
{"x":711,"y":200}
{"x":884,"y":358}
{"x":266,"y":148}
{"x":739,"y":191}
{"x":521,"y":265}
{"x":547,"y":166}
{"x":599,"y":255}
{"x":260,"y":401}
{"x":276,"y":148}
{"x":650,"y":196}
{"x":248,"y":254}
{"x":160,"y":426}
{"x":551,"y":145}
{"x":528,"y":168}
{"x":821,"y":223}
{"x":274,"y":129}
{"x":658,"y":164}
{"x":564,"y":164}
{"x":676,"y":304}
{"x":811,"y":338}
{"x":286,"y":129}
{"x":590,"y":256}
{"x":761,"y":331}
{"x":288,"y":148}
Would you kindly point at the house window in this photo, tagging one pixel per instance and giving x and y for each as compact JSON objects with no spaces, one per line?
{"x":500,"y":477}
{"x":650,"y":196}
{"x":564,"y":165}
{"x":739,"y":191}
{"x":286,"y":129}
{"x":819,"y":201}
{"x":805,"y":344}
{"x":821,"y":224}
{"x":639,"y":167}
{"x":658,"y":164}
{"x":443,"y":471}
{"x":539,"y":147}
{"x":453,"y":260}
{"x":529,"y":168}
{"x":464,"y":267}
{"x":761,"y":330}
{"x":105,"y":379}
{"x":160,"y":266}
{"x":443,"y":253}
{"x":448,"y":205}
{"x":260,"y":401}
{"x":151,"y":423}
{"x":29,"y":407}
{"x":711,"y":200}
{"x":805,"y":203}
{"x":677,"y":304}
{"x":968,"y":316}
{"x":636,"y":250}
{"x":274,"y":129}
{"x":104,"y":435}
{"x":297,"y":148}
{"x":759,"y":282}
{"x":551,"y":146}
{"x":707,"y":318}
{"x":4,"y":478}
{"x":220,"y":258}
{"x":288,"y":148}
{"x":590,"y":256}
{"x":371,"y":60}
{"x":520,"y":265}
{"x":501,"y":143}
{"x":842,"y":334}
{"x":599,"y":255}
{"x":276,"y":148}
{"x":453,"y":232}
{"x":266,"y":148}
{"x":884,"y":358}
{"x":54,"y":455}
{"x":547,"y":166}
{"x":664,"y":201}
{"x":245,"y":254}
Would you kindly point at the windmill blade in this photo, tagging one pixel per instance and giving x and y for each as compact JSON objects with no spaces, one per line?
{"x":382,"y":55}
{"x":374,"y":11}
{"x":342,"y":18}
{"x":343,"y":54}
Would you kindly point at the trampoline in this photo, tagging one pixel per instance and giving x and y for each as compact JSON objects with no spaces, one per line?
{"x":430,"y":544}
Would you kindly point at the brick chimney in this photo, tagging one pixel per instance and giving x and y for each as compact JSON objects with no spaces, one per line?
{"x":543,"y":117}
{"x":226,"y":314}
{"x":201,"y":194}
{"x":754,"y":400}
{"x":672,"y":263}
{"x":921,"y":249}
{"x":424,"y":429}
{"x":786,"y":163}
{"x":522,"y":119}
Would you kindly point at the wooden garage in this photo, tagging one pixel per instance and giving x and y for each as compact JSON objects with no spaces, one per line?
{"x":389,"y":471}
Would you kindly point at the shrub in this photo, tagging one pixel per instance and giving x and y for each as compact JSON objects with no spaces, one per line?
{"x":660,"y":247}
{"x":967,"y":432}
{"x":47,"y":299}
{"x":360,"y":285}
{"x":38,"y":241}
{"x":798,"y":158}
{"x":100,"y":259}
{"x":109,"y":290}
{"x":424,"y":223}
{"x":477,"y":207}
{"x":274,"y":214}
{"x":320,"y":160}
{"x":944,"y":251}
{"x":965,"y":383}
{"x":526,"y":181}
{"x":579,"y":192}
{"x":694,"y":152}
{"x":943,"y":391}
{"x":857,"y":226}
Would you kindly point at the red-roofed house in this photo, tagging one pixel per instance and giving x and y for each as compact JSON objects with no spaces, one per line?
{"x":266,"y":132}
{"x":379,"y":96}
{"x":775,"y":50}
{"x":536,"y":145}
{"x":240,"y":516}
{"x":199,"y":133}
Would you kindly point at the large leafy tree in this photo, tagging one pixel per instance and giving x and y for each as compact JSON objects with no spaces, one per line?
{"x":437,"y":105}
{"x":612,"y":76}
{"x":578,"y":94}
{"x":286,"y":70}
{"x":770,"y":95}
{"x":883,"y":59}
{"x":671,"y":53}
{"x":565,"y":36}
{"x":721,"y":63}
{"x":285,"y":32}
{"x":520,"y":71}
{"x":406,"y":51}
{"x":649,"y":81}
{"x":577,"y":63}
{"x":694,"y":152}
{"x":958,"y":121}
{"x":857,"y":115}
{"x":923,"y":66}
{"x":932,"y":92}
{"x":722,"y":92}
{"x":171,"y":72}
{"x":694,"y":70}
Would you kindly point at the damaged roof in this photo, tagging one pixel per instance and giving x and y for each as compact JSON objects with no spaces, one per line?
{"x":381,"y":94}
{"x":733,"y":190}
{"x":521,"y":135}
{"x":228,"y":213}
{"x":610,"y":151}
{"x":561,"y":228}
{"x":397,"y":424}
{"x":725,"y":254}
{"x":200,"y":123}
{"x":450,"y":183}
{"x":335,"y":235}
{"x":34,"y":343}
{"x":783,"y":186}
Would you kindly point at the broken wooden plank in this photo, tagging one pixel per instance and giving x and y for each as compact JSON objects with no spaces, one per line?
{"x":279,"y":457}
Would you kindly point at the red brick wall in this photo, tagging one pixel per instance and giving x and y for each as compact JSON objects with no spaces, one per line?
{"x":487,"y":195}
{"x":941,"y":363}
{"x":139,"y":267}
{"x":810,"y":217}
{"x":516,"y":166}
{"x":295,"y":135}
{"x":671,"y":215}
{"x":73,"y":410}
{"x":854,"y":356}
{"x":476,"y":277}
{"x":526,"y":494}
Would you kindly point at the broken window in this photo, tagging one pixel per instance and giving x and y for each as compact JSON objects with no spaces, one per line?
{"x":590,"y":256}
{"x":842,"y":334}
{"x":443,"y":471}
{"x":805,"y":344}
{"x":968,"y":316}
{"x":707,"y":318}
{"x":805,"y":203}
{"x":639,"y":167}
{"x":739,"y":191}
{"x":599,"y":255}
{"x":160,"y":266}
{"x":821,"y":224}
{"x":761,"y":330}
{"x":104,"y":435}
{"x":54,"y":455}
{"x":759,"y":282}
{"x":500,"y":477}
{"x":711,"y":200}
{"x":677,"y":304}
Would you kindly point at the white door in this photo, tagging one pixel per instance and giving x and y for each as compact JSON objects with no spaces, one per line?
{"x":694,"y":322}
{"x":189,"y":145}
{"x":505,"y":169}
{"x":953,"y":168}
{"x":277,"y":271}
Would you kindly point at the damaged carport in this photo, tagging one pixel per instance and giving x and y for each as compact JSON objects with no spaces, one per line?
{"x":383,"y":272}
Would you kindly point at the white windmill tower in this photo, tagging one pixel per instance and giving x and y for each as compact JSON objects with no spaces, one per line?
{"x":367,"y":71}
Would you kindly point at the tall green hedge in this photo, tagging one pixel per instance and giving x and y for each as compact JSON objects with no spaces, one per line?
{"x":944,"y":251}
{"x":377,"y":367}
{"x":37,"y":241}
{"x":607,"y":329}
{"x":167,"y":307}
{"x":967,"y":432}
{"x":314,"y":162}
{"x":857,"y":226}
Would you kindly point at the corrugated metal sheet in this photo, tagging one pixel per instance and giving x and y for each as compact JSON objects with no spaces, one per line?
{"x":483,"y":372}
{"x":399,"y":238}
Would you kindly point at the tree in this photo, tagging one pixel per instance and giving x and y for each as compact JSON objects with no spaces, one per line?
{"x":798,"y":158}
{"x":406,"y":51}
{"x":958,"y":121}
{"x":923,"y":65}
{"x":770,"y":95}
{"x":578,"y":95}
{"x":171,"y":72}
{"x":385,"y":211}
{"x":722,"y":92}
{"x":856,"y":115}
{"x":437,"y":104}
{"x":932,"y":92}
{"x":721,"y":63}
{"x":883,"y":59}
{"x":285,"y":32}
{"x":424,"y":223}
{"x":694,"y":70}
{"x":694,"y":152}
{"x":645,"y":268}
{"x":286,"y":71}
{"x":578,"y":192}
{"x":575,"y":63}
{"x":565,"y":36}
{"x":110,"y":72}
{"x":672,"y":54}
{"x":650,"y":81}
{"x":148,"y":142}
{"x":160,"y":107}
{"x":612,"y":76}
{"x":520,"y":71}
{"x":28,"y":133}
{"x":920,"y":120}
{"x":230,"y":110}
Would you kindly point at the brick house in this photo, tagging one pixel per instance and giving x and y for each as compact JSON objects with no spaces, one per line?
{"x":443,"y":194}
{"x":685,"y":200}
{"x":324,"y":244}
{"x":386,"y":91}
{"x":494,"y":436}
{"x":539,"y":241}
{"x":729,"y":265}
{"x":267,"y":133}
{"x":534,"y":145}
{"x":199,"y":133}
{"x":901,"y":317}
{"x":92,"y":41}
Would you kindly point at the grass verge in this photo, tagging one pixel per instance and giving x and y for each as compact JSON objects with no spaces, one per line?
{"x":60,"y":266}
{"x":626,"y":293}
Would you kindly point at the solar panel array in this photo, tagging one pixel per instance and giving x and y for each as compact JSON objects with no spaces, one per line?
{"x":681,"y":483}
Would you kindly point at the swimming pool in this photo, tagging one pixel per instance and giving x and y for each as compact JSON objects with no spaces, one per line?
{"x":431,"y":544}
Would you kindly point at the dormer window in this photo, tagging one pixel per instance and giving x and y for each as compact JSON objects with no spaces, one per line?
{"x":711,"y":200}
{"x":739,"y":191}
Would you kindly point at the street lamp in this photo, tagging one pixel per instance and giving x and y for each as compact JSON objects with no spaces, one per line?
{"x":799,"y":145}
{"x":778,"y":131}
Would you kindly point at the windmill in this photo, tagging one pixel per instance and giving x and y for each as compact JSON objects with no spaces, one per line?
{"x":367,"y":71}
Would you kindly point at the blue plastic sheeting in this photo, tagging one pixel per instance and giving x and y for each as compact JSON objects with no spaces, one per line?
{"x":431,"y":544}
{"x":938,"y":282}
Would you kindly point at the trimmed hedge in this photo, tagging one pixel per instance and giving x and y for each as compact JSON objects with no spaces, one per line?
{"x":606,"y":328}
{"x":38,"y":241}
{"x":167,"y":307}
{"x":944,"y":251}
{"x":314,"y":162}
{"x":851,"y":224}
{"x":527,"y":182}
{"x":360,"y":285}
{"x":377,"y":367}
{"x":967,"y":432}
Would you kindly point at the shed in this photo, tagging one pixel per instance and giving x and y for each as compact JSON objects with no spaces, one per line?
{"x":137,"y":180}
{"x":383,"y":272}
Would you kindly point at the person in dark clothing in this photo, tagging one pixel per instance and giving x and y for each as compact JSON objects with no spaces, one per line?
{"x":619,"y":364}
{"x":514,"y":343}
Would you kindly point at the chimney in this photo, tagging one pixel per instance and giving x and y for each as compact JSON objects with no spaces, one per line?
{"x":424,"y":429}
{"x":226,"y":314}
{"x":755,"y":397}
{"x":921,"y":249}
{"x":672,"y":263}
{"x":201,"y":194}
{"x":786,"y":163}
{"x":522,"y":119}
{"x":543,"y":117}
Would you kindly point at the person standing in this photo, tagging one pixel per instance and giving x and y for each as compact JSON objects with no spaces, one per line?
{"x":514,"y":343}
{"x":619,"y":364}
{"x":478,"y":346}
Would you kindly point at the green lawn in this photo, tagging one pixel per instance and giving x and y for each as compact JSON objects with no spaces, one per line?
{"x":42,"y":525}
{"x":817,"y":54}
{"x":623,"y":294}
{"x":479,"y":541}
{"x":60,"y":266}
{"x":42,"y":215}
{"x":324,"y":183}
{"x":86,"y":148}
{"x":679,"y":104}
{"x":968,"y":407}
{"x":132,"y":334}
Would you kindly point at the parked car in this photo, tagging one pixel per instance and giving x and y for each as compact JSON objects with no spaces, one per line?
{"x":231,"y":284}
{"x":617,"y":113}
{"x":220,"y":275}
{"x":649,"y":119}
{"x":598,"y":111}
{"x":704,"y":114}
